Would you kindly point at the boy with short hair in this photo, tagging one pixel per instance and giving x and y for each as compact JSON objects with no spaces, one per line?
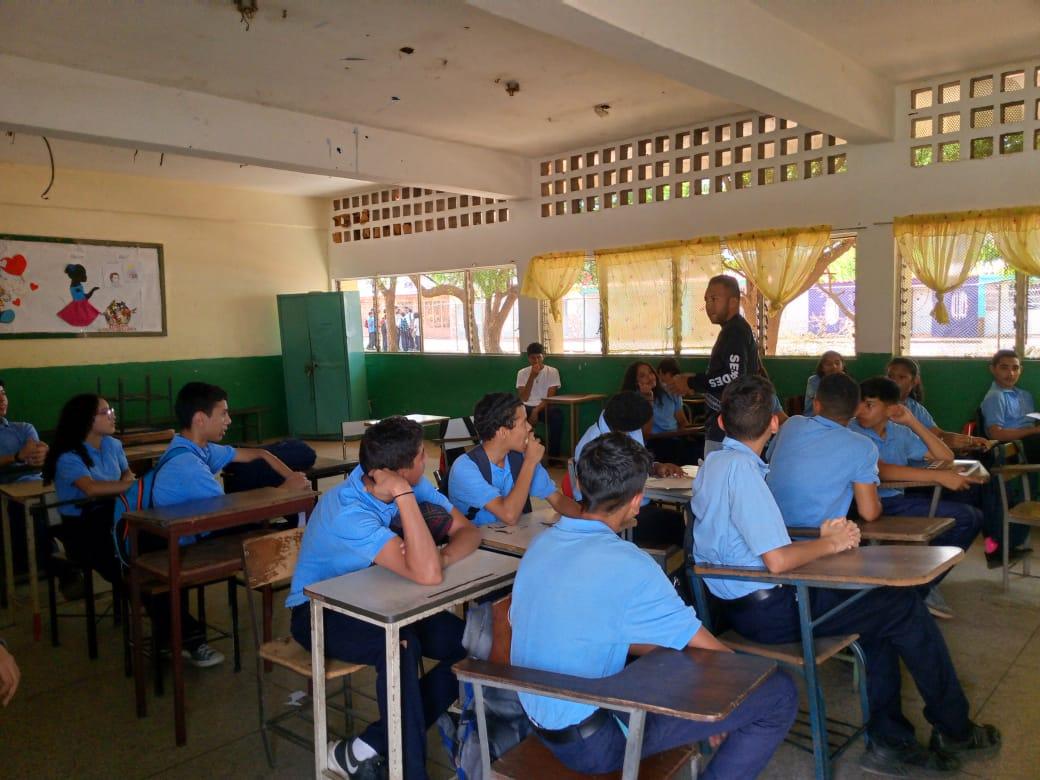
{"x":189,"y":471}
{"x":534,"y":384}
{"x":386,"y":513}
{"x":19,"y":441}
{"x":496,"y":479}
{"x":843,"y":464}
{"x":617,"y":598}
{"x":627,"y":412}
{"x":739,"y":524}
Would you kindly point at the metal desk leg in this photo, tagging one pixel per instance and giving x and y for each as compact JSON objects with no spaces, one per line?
{"x":321,"y":758}
{"x":136,"y":626}
{"x":34,"y":574}
{"x":817,"y":710}
{"x":936,"y":495}
{"x":176,"y":640}
{"x":5,"y":508}
{"x":485,"y":751}
{"x":395,"y":746}
{"x":633,"y":745}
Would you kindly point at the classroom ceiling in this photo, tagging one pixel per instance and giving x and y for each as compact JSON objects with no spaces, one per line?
{"x":438,"y":68}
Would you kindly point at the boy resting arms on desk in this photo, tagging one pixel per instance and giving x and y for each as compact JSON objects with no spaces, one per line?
{"x":737,"y":523}
{"x":386,"y":513}
{"x":584,"y":599}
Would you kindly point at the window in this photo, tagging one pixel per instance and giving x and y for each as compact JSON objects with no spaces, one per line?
{"x":579,"y":332}
{"x":982,"y":312}
{"x":456,"y":311}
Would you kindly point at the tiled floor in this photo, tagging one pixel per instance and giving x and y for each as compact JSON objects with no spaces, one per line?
{"x":75,"y":718}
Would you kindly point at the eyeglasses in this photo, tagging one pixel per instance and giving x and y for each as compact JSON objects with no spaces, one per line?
{"x":109,"y":412}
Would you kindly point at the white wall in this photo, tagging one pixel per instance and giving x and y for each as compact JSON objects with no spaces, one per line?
{"x":879,"y":185}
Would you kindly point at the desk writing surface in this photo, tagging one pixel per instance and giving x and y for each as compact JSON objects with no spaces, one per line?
{"x":889,"y":528}
{"x":515,"y":539}
{"x":422,"y":419}
{"x":574,"y":398}
{"x":693,"y":684}
{"x":896,"y":565}
{"x":191,"y":511}
{"x":332,"y":465}
{"x":27,"y":490}
{"x":380,"y":594}
{"x":137,"y":452}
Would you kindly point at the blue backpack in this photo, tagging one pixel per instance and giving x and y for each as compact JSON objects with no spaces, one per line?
{"x":138,"y":496}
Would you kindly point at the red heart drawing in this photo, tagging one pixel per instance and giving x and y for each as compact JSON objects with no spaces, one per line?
{"x":33,"y":286}
{"x":15,"y":265}
{"x":17,"y":301}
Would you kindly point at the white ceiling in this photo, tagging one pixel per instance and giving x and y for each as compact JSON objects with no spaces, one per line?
{"x":30,"y":150}
{"x":452,"y":86}
{"x":904,"y":40}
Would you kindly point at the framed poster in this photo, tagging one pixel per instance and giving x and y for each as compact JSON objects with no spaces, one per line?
{"x":68,"y":287}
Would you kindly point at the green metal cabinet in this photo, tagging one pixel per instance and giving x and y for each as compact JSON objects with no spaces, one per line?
{"x":323,"y":357}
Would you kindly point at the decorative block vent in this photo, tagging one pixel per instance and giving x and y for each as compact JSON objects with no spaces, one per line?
{"x":738,"y":153}
{"x":974,"y":117}
{"x":405,"y":211}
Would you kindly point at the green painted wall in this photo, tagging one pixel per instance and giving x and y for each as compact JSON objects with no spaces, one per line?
{"x":451,"y":384}
{"x":37,"y":394}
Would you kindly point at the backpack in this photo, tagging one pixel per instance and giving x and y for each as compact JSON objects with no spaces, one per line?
{"x":515,"y":460}
{"x":137,"y":496}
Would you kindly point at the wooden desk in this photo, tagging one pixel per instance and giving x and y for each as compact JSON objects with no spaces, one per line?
{"x":939,"y":465}
{"x":378,"y":596}
{"x":515,"y":539}
{"x":422,"y":419}
{"x":250,"y":416}
{"x":574,"y":400}
{"x":698,"y":685}
{"x":201,"y":562}
{"x":890,"y":528}
{"x":138,"y":453}
{"x":861,"y":569}
{"x":328,"y":467}
{"x":24,"y":493}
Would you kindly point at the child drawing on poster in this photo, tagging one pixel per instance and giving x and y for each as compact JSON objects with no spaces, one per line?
{"x":80,"y":312}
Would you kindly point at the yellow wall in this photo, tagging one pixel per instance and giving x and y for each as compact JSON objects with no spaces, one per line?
{"x":227,"y":253}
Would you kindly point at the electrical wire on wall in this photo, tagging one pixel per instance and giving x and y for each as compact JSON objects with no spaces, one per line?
{"x":50,"y":154}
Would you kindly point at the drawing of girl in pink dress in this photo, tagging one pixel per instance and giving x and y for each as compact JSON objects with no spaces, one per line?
{"x":80,"y":312}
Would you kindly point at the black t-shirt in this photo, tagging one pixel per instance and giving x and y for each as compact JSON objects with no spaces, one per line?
{"x":734,"y":355}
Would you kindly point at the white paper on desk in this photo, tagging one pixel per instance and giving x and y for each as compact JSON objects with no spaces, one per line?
{"x":670,"y":483}
{"x":971,"y":468}
{"x":1034,"y":415}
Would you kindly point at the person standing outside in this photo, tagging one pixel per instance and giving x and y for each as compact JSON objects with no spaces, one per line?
{"x":371,"y":325}
{"x":536,"y":383}
{"x":734,"y":355}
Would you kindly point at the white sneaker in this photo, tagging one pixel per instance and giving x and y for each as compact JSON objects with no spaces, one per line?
{"x":372,"y":768}
{"x":203,"y":656}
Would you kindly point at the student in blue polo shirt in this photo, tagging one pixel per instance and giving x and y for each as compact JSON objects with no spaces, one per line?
{"x":189,"y":470}
{"x":19,"y":441}
{"x":495,"y":480}
{"x":353,"y":527}
{"x":628,"y":412}
{"x":902,"y":440}
{"x":737,"y":523}
{"x":87,"y":462}
{"x":584,"y":598}
{"x":843,"y":464}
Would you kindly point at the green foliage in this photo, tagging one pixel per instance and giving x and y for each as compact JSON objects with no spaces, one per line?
{"x":489,"y":281}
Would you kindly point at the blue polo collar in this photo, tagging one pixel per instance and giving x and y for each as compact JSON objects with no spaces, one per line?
{"x":580,"y":526}
{"x":745,"y":451}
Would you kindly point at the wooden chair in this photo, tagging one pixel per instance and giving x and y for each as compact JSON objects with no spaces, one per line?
{"x":1026,"y":512}
{"x":531,"y":758}
{"x":820,"y":727}
{"x":267,"y":561}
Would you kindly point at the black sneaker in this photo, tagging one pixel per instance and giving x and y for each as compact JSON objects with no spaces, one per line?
{"x":342,"y":763}
{"x":995,"y":559}
{"x":983,"y":740}
{"x":910,"y":760}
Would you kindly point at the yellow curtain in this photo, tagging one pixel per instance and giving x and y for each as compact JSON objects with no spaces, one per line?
{"x":699,"y":261}
{"x":942,"y":250}
{"x":643,"y":292}
{"x":1016,"y":233}
{"x":779,"y":262}
{"x":550,"y":277}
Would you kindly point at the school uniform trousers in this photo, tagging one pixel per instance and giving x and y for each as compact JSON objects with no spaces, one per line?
{"x":422,"y":699}
{"x":967,"y":519}
{"x":893,"y":624}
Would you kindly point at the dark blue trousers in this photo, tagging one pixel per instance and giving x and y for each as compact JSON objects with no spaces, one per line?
{"x":967,"y":519}
{"x":422,"y":699}
{"x":893,"y":624}
{"x":755,"y":730}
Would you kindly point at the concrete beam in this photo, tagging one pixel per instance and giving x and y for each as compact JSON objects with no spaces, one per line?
{"x":733,"y":49}
{"x":54,"y":100}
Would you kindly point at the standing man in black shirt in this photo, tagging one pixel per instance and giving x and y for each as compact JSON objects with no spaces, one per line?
{"x":734,"y":355}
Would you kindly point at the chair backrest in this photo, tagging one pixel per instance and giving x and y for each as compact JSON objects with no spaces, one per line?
{"x":501,"y":630}
{"x":570,"y":480}
{"x":271,"y":558}
{"x":146,"y":437}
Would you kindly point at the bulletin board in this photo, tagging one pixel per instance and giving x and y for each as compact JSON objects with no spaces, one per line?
{"x":69,"y":287}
